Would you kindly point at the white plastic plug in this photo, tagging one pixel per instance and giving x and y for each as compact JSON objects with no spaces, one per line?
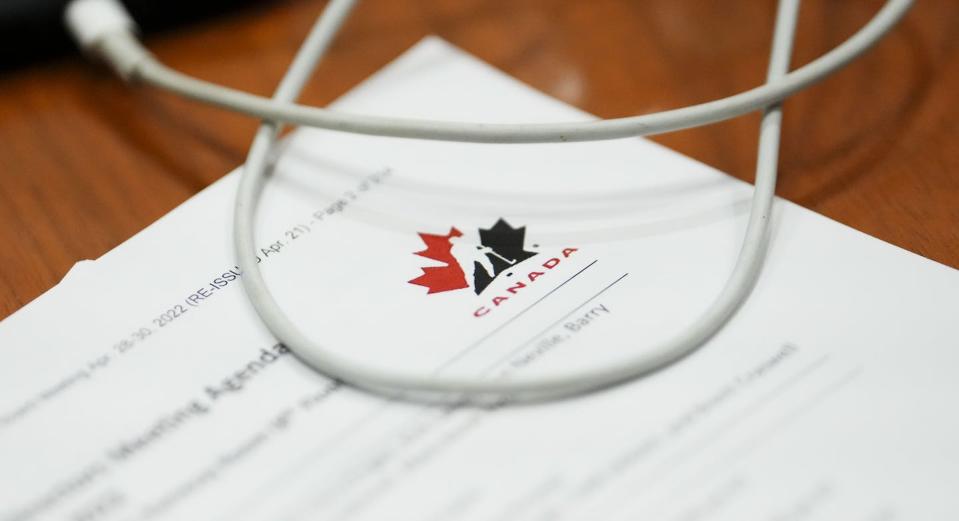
{"x":90,"y":21}
{"x":104,"y":29}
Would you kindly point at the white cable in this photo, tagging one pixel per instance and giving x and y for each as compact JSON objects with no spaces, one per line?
{"x":424,"y":387}
{"x":127,"y":56}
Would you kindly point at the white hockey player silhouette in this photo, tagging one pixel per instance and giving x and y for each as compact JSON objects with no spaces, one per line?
{"x":469,"y":255}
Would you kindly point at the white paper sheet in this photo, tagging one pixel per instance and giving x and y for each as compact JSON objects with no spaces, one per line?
{"x":144,"y":387}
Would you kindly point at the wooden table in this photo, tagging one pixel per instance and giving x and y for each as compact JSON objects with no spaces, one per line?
{"x":86,"y":162}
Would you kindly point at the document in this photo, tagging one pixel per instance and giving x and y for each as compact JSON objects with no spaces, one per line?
{"x":145,"y":387}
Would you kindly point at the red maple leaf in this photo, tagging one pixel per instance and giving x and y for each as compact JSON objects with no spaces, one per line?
{"x":440,"y":278}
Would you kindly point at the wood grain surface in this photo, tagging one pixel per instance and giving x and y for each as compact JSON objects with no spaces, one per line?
{"x":86,"y":162}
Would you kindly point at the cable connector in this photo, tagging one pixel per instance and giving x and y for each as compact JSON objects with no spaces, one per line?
{"x":90,"y":21}
{"x":105,"y":29}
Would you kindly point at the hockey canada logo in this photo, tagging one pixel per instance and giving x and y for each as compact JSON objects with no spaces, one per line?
{"x":468,"y":265}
